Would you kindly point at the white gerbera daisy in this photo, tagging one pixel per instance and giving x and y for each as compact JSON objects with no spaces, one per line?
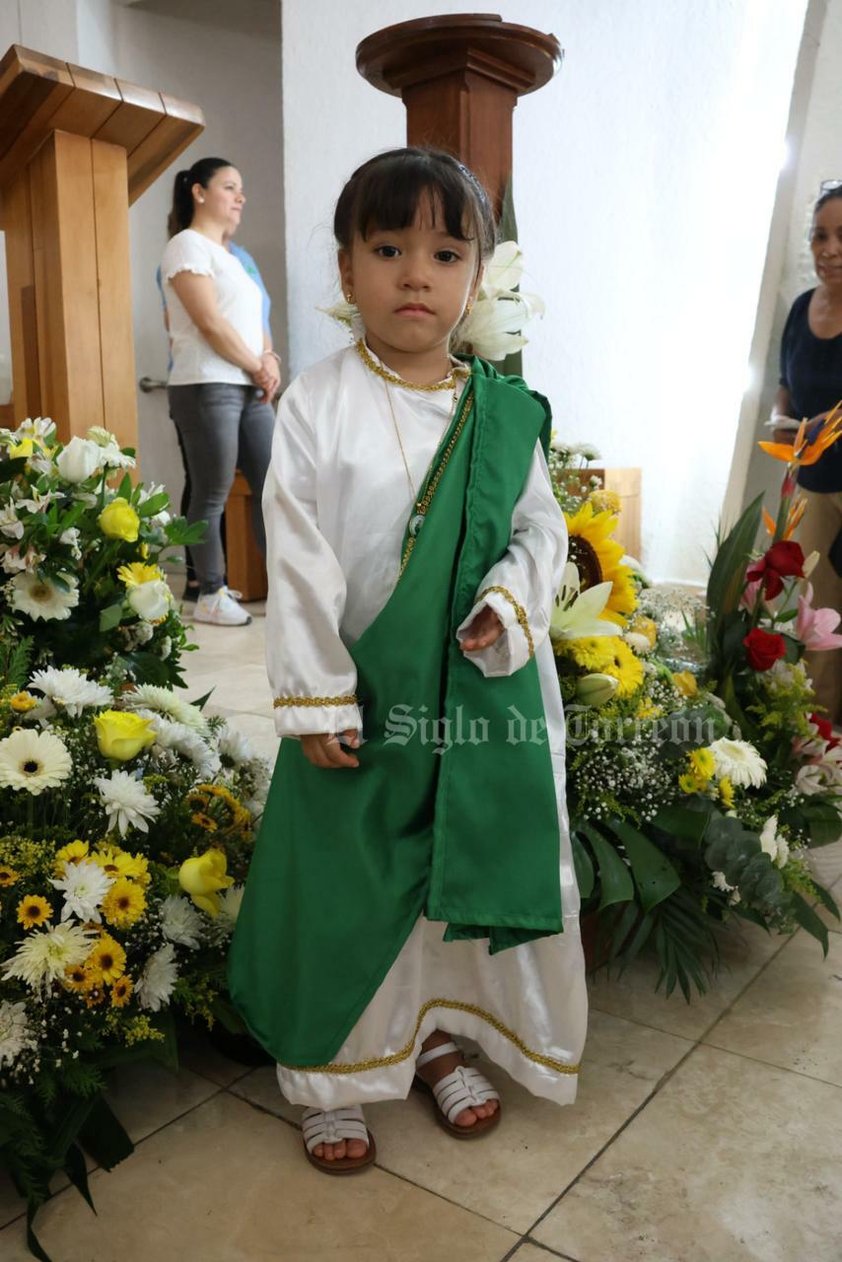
{"x":33,"y":761}
{"x":739,"y":761}
{"x":126,"y":802}
{"x":166,"y":702}
{"x":180,"y":921}
{"x":157,"y":981}
{"x":15,"y":1035}
{"x":234,"y":748}
{"x":70,"y":689}
{"x":41,"y":598}
{"x":44,"y":954}
{"x":84,"y":885}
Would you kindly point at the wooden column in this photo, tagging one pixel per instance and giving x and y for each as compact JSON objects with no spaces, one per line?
{"x":76,"y":148}
{"x":460,"y":77}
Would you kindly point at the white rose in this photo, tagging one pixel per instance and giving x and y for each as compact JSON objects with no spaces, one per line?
{"x":150,"y":601}
{"x":79,"y":459}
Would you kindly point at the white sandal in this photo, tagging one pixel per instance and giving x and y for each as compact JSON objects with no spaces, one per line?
{"x":332,"y":1126}
{"x":464,"y":1088}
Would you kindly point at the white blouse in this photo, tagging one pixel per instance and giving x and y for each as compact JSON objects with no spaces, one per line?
{"x":336,"y":502}
{"x":239,"y":300}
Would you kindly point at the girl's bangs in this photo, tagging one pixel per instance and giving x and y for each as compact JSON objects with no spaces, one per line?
{"x":391,"y":197}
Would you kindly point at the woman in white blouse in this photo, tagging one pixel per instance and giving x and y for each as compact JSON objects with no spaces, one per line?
{"x":224,"y":373}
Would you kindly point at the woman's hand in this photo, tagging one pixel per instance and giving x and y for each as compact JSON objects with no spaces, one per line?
{"x":484,"y":631}
{"x":324,"y":750}
{"x":269,"y":365}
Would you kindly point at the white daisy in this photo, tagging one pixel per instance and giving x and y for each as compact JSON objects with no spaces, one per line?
{"x":126,"y":802}
{"x":15,"y":1036}
{"x":41,"y":598}
{"x":84,"y":885}
{"x":180,"y":921}
{"x":739,"y":761}
{"x":34,"y":761}
{"x":166,"y":702}
{"x":157,"y":981}
{"x":44,"y":954}
{"x":70,"y":689}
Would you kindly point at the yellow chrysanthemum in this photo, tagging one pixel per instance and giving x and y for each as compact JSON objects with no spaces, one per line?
{"x":688,"y":783}
{"x":136,"y":573}
{"x":34,"y":910}
{"x":726,"y":792}
{"x":606,"y":501}
{"x":685,"y":682}
{"x":121,"y":992}
{"x":625,"y":667}
{"x":597,"y":556}
{"x":23,"y":701}
{"x":702,"y":764}
{"x":73,"y":852}
{"x":8,"y":875}
{"x":107,"y":960}
{"x":648,"y":710}
{"x":123,"y":904}
{"x":592,"y":653}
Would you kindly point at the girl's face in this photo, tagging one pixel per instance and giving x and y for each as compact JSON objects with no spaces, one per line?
{"x":411,"y":285}
{"x":223,"y":199}
{"x":826,"y":243}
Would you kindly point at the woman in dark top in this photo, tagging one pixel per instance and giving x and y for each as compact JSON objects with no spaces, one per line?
{"x":810,"y":386}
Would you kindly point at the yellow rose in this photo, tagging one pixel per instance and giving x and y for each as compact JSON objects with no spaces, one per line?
{"x":122,"y":735}
{"x":24,"y":448}
{"x":118,"y":520}
{"x":202,"y":877}
{"x":685,"y":682}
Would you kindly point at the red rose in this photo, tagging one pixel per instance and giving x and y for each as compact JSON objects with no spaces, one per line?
{"x":825,"y":730}
{"x":785,"y":559}
{"x":763,"y":649}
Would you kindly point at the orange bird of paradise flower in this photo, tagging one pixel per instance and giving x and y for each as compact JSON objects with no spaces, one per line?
{"x":801,"y":452}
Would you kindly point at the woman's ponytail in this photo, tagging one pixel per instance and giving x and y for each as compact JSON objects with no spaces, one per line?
{"x":183,"y":208}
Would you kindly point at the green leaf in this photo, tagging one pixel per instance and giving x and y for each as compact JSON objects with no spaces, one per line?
{"x":808,"y":920}
{"x":654,"y":875}
{"x":153,"y":505}
{"x":583,"y":866}
{"x":727,"y":573}
{"x":104,"y":1137}
{"x":616,"y":885}
{"x":110,"y":617}
{"x":827,"y":899}
{"x":77,"y":1173}
{"x":821,"y":819}
{"x":686,"y":820}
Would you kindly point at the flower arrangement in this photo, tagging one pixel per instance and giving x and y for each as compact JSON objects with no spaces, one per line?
{"x":80,"y":552}
{"x":698,"y":775}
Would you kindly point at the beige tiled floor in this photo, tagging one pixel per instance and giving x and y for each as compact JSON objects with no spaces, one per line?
{"x":702,"y":1133}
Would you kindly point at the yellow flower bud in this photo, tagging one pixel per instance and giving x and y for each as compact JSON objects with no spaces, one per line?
{"x":118,"y":520}
{"x":23,"y":701}
{"x":595,"y":689}
{"x":122,"y":735}
{"x":202,"y":877}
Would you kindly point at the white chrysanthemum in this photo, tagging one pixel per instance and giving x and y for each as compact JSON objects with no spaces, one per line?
{"x":126,"y":802}
{"x":33,"y":761}
{"x":230,"y":901}
{"x":70,"y":689}
{"x":166,"y":702}
{"x":772,"y":844}
{"x":44,"y":954}
{"x":180,"y":921}
{"x":41,"y":598}
{"x":739,"y":761}
{"x":186,"y":741}
{"x":234,"y":746}
{"x":157,"y":981}
{"x":15,"y":1035}
{"x":84,"y":886}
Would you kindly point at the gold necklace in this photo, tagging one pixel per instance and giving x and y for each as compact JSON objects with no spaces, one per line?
{"x":417,"y":519}
{"x":446,"y":383}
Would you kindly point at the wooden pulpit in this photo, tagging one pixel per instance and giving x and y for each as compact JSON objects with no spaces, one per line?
{"x":76,"y":149}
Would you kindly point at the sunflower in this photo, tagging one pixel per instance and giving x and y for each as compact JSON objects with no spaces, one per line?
{"x":592,"y":653}
{"x":123,"y":904}
{"x":702,"y":764}
{"x":73,"y":852}
{"x":107,"y":961}
{"x":119,"y":863}
{"x":626,"y":668}
{"x":598,"y":558}
{"x":34,"y":910}
{"x":726,"y":792}
{"x":121,"y":992}
{"x":76,"y":977}
{"x":8,"y":875}
{"x":204,"y":821}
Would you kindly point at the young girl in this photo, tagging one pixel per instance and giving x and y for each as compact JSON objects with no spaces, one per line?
{"x":413,"y":876}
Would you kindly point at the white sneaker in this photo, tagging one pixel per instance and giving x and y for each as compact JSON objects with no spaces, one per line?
{"x":221,"y":608}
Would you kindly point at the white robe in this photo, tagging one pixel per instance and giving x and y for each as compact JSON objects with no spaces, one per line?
{"x":336,"y":502}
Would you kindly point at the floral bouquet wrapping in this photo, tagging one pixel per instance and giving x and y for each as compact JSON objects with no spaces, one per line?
{"x":698,"y":774}
{"x":80,"y":547}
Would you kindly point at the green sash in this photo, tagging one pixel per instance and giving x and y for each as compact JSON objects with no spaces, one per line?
{"x":452,"y":812}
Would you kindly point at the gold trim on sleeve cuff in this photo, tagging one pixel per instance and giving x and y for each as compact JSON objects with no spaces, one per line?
{"x":520,"y":612}
{"x":280,"y":702}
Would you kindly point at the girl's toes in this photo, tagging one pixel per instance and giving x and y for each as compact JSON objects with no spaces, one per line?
{"x":466,"y":1118}
{"x":356,"y":1148}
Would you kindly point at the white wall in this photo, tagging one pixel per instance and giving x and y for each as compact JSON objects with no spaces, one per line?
{"x":644,"y":180}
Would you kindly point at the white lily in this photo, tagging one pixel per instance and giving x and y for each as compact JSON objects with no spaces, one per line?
{"x":503,"y":270}
{"x":576,"y":613}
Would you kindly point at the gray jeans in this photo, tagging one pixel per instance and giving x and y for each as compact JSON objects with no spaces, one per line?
{"x":223,"y":427}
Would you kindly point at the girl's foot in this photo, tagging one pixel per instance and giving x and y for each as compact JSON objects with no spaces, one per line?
{"x":337,"y":1141}
{"x":483,"y":1111}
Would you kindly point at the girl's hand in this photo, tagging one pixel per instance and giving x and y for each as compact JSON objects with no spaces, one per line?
{"x":484,"y":631}
{"x":324,"y":750}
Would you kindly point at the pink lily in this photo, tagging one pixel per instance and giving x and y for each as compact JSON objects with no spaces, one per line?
{"x":816,"y":627}
{"x":751,"y":594}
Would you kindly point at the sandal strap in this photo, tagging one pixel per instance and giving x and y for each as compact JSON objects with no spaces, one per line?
{"x":444,"y":1049}
{"x":465,"y":1088}
{"x":331,"y":1126}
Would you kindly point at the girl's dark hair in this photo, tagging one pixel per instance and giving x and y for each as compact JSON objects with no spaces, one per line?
{"x":201,"y":172}
{"x":827,"y":197}
{"x":385,"y":193}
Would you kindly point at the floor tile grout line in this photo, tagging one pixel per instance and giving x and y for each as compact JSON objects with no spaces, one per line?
{"x":768,"y":1064}
{"x":545,"y":1248}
